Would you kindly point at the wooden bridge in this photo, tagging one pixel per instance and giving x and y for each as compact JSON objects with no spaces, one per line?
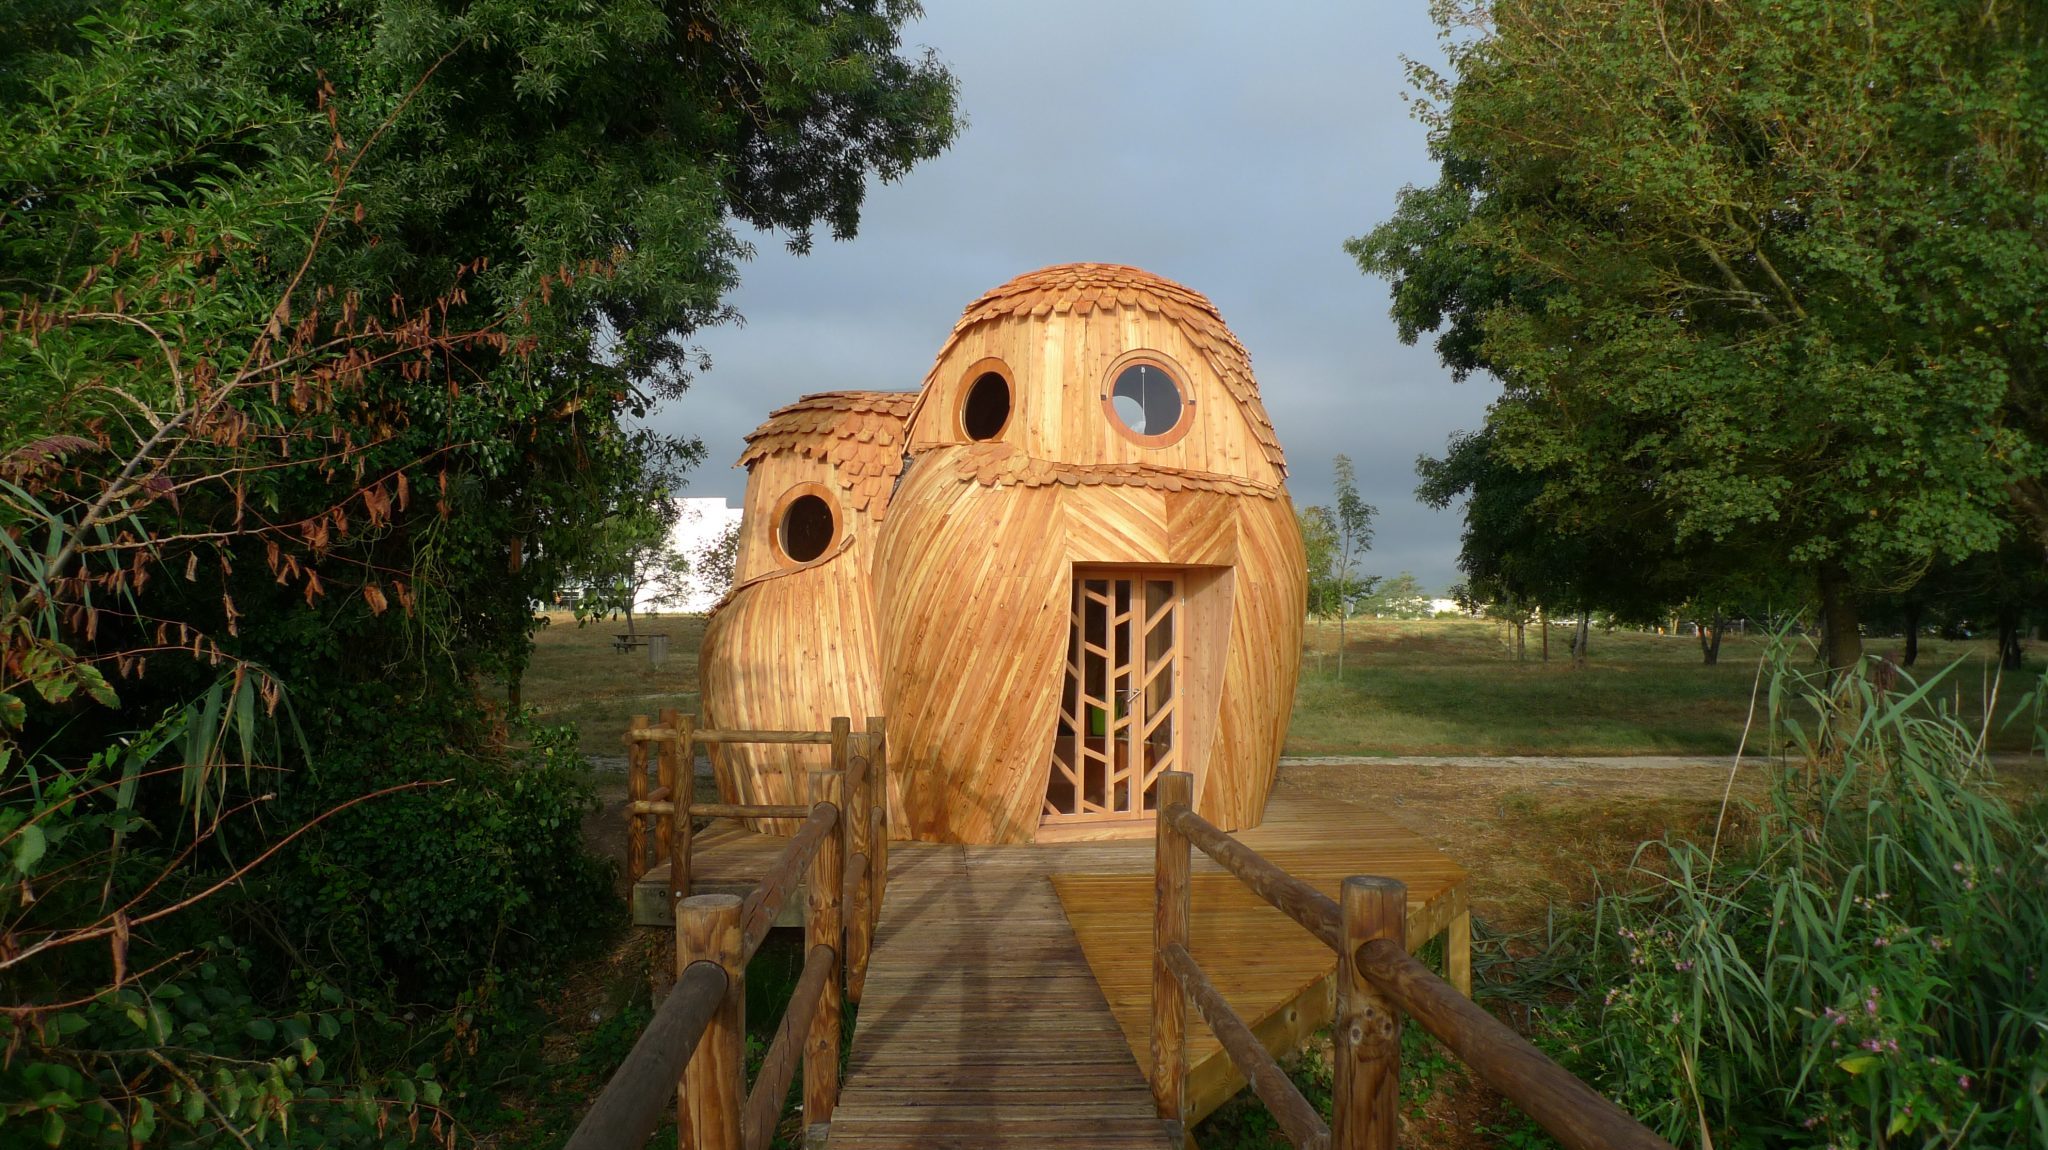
{"x":1006,"y":995}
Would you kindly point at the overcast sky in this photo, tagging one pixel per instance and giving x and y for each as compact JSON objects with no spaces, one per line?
{"x":1231,"y":147}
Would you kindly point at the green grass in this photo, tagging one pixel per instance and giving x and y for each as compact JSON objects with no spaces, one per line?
{"x":576,"y":677}
{"x":1445,"y":687}
{"x":1434,"y":687}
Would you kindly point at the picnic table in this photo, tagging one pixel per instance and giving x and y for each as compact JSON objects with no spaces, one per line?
{"x":623,"y":642}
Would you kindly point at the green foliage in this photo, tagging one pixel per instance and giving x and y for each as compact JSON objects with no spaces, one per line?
{"x":1330,"y":594}
{"x":480,"y":885}
{"x":1865,"y":971}
{"x":321,"y":331}
{"x":136,"y":1020}
{"x":1400,"y":597}
{"x":1763,"y":272}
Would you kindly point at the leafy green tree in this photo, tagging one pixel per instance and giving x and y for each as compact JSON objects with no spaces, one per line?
{"x":1400,"y":597}
{"x":319,"y":328}
{"x":1771,"y":265}
{"x":717,"y":561}
{"x":1354,"y":538}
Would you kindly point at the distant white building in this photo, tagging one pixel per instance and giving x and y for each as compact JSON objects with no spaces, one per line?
{"x":1446,"y":606}
{"x":698,"y":525}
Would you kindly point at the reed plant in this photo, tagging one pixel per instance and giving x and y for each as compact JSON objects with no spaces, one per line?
{"x":1862,"y":966}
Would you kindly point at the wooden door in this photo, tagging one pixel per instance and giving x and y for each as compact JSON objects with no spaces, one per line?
{"x":1119,"y":718}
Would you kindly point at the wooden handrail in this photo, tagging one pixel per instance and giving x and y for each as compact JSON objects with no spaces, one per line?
{"x":632,"y":1103}
{"x":654,"y":806}
{"x":1299,"y":1120}
{"x":778,"y":1067}
{"x":1573,"y":1112}
{"x":840,"y":855}
{"x":1298,"y":900}
{"x":799,"y":738}
{"x":1378,"y":982}
{"x":670,"y":734}
{"x":764,"y":903}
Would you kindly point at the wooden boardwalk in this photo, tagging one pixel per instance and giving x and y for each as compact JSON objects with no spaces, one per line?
{"x":982,"y":1025}
{"x":1008,"y":996}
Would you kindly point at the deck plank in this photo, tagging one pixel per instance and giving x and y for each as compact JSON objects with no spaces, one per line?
{"x":1008,"y":997}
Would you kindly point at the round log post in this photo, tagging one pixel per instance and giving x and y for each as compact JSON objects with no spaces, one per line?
{"x":682,"y":792}
{"x":636,"y":792}
{"x":1171,"y":858}
{"x":823,"y":926}
{"x":713,"y":1093}
{"x":665,"y":779}
{"x":878,"y":858}
{"x":860,"y":793}
{"x":1367,"y":1032}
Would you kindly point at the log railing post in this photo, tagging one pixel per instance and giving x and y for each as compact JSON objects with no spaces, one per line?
{"x":682,"y":792}
{"x":1367,"y":1032}
{"x":823,"y":926}
{"x":860,"y":795}
{"x":878,"y":859}
{"x":665,"y":779}
{"x":1171,"y":859}
{"x":713,"y":1092}
{"x":842,"y":740}
{"x":636,"y":793}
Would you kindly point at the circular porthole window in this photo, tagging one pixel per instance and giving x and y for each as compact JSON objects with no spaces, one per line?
{"x":1147,"y":403}
{"x":804,"y":524}
{"x":986,"y":410}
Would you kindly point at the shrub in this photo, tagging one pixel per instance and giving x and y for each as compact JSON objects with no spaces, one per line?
{"x":1863,"y":971}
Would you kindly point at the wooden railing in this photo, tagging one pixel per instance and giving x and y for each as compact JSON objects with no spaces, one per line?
{"x":694,"y":1050}
{"x":1378,"y":982}
{"x":675,"y":739}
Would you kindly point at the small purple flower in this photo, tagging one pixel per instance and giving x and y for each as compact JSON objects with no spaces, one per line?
{"x":1963,"y":1082}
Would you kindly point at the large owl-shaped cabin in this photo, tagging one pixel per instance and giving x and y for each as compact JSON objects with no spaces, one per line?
{"x":1079,"y":568}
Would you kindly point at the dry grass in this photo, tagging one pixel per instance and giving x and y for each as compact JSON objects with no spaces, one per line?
{"x":576,"y":677}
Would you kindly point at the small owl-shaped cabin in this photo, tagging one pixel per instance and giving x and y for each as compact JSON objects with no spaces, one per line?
{"x":1082,"y":569}
{"x":794,"y":639}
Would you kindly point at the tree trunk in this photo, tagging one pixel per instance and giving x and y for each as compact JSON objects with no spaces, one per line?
{"x":1912,"y":635}
{"x":2009,"y":652}
{"x":1710,"y":641}
{"x":1582,"y":639}
{"x":629,"y":618}
{"x":1841,"y":638}
{"x":1545,"y":617}
{"x":1341,"y":615}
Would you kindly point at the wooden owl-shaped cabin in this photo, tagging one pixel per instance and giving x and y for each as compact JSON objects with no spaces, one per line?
{"x":794,"y":640}
{"x":1090,"y":572}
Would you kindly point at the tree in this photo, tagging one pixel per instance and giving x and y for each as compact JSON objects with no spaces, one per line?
{"x":320,"y":326}
{"x":1400,"y":597}
{"x":1354,"y":539}
{"x":1769,"y":267}
{"x":717,"y":561}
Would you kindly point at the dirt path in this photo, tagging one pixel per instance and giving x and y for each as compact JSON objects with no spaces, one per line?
{"x":1532,"y":830}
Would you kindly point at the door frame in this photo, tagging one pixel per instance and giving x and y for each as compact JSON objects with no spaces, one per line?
{"x":1130,"y":743}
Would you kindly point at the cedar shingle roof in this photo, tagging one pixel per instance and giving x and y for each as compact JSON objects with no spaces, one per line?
{"x":1000,"y":464}
{"x":1081,"y":288}
{"x":859,"y":434}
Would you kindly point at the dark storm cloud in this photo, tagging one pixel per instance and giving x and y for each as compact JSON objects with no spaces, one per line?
{"x":1232,"y":147}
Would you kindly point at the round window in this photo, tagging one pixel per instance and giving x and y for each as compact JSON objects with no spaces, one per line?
{"x":1147,"y":401}
{"x":986,"y":410}
{"x":805,"y":529}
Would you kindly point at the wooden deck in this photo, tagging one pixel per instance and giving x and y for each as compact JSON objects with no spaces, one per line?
{"x":1008,"y":997}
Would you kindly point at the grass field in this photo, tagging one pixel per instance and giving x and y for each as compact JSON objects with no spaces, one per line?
{"x":1453,"y":687}
{"x":576,"y":677}
{"x":1435,"y":687}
